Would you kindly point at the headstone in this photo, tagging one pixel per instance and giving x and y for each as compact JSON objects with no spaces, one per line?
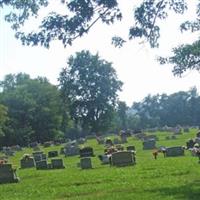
{"x":177,"y":130}
{"x":130,"y":148}
{"x":174,"y":151}
{"x":86,"y":152}
{"x":123,"y":138}
{"x":47,"y":144}
{"x":27,"y":161}
{"x":33,"y":144}
{"x":71,"y":151}
{"x":16,"y":148}
{"x":8,"y":174}
{"x":39,"y":155}
{"x":86,"y":163}
{"x":122,"y":158}
{"x":57,"y":163}
{"x":119,"y":147}
{"x":52,"y":154}
{"x":149,"y":144}
{"x":41,"y":164}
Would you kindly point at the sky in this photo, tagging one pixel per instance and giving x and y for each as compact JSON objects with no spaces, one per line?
{"x":135,"y":63}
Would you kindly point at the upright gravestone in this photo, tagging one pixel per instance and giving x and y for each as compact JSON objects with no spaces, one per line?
{"x":42,"y":164}
{"x":130,"y":148}
{"x":86,"y":163}
{"x":39,"y":155}
{"x":174,"y":151}
{"x":86,"y":152}
{"x":149,"y":144}
{"x":71,"y":150}
{"x":27,"y":161}
{"x":52,"y":154}
{"x":8,"y":174}
{"x":122,"y":158}
{"x":57,"y":163}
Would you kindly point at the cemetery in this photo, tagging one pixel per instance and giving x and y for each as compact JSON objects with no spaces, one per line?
{"x":118,"y":162}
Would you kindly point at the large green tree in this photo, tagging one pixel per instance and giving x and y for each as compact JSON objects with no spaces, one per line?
{"x":82,"y":15}
{"x":90,"y":85}
{"x":33,"y":109}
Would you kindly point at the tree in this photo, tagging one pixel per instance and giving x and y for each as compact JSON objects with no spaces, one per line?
{"x":82,"y":15}
{"x":90,"y":85}
{"x":3,"y":118}
{"x":122,"y":114}
{"x":33,"y":109}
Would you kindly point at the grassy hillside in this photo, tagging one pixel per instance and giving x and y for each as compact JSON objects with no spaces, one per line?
{"x":165,"y":178}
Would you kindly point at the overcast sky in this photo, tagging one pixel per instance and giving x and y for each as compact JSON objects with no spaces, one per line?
{"x":135,"y":63}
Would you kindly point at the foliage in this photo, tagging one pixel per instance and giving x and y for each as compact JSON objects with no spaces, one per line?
{"x":181,"y":108}
{"x":82,"y":15}
{"x":3,"y":118}
{"x":33,"y":109}
{"x":90,"y":85}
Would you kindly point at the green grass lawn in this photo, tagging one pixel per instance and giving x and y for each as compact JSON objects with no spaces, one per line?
{"x":162,"y":179}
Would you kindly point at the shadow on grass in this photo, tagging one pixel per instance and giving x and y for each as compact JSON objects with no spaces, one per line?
{"x":189,"y":191}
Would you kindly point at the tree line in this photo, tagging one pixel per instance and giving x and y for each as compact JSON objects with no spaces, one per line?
{"x":84,"y":102}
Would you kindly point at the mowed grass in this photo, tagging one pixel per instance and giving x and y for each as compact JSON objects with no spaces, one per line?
{"x":162,"y":179}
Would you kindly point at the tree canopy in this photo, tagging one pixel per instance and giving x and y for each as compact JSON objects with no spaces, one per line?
{"x":90,"y":85}
{"x":81,"y":15}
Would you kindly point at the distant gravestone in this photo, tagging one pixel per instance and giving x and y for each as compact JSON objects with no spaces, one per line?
{"x":16,"y":148}
{"x":122,"y":158}
{"x":33,"y":144}
{"x":86,"y":163}
{"x":27,"y":161}
{"x":52,"y":154}
{"x":57,"y":163}
{"x":47,"y":144}
{"x":119,"y":147}
{"x":174,"y":151}
{"x":123,"y":138}
{"x":39,"y":155}
{"x":41,"y":164}
{"x":8,"y":174}
{"x":71,"y":150}
{"x":149,"y":144}
{"x":86,"y":152}
{"x":130,"y":148}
